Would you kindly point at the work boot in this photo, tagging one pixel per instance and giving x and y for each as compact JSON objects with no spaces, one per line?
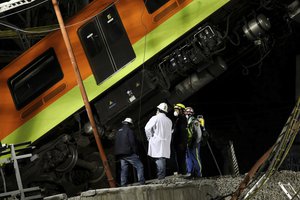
{"x":188,"y":176}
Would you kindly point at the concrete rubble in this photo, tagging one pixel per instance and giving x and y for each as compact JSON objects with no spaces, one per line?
{"x":178,"y":188}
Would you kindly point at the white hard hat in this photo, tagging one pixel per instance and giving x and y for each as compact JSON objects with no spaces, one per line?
{"x":189,"y":111}
{"x":163,"y":107}
{"x":127,"y":120}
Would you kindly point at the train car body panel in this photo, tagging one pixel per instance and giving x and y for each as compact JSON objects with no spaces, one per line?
{"x":132,"y":55}
{"x":67,"y":99}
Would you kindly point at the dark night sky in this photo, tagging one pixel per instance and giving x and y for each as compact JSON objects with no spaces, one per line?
{"x":249,"y":110}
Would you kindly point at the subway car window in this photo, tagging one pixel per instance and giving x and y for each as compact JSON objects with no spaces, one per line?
{"x":35,"y":78}
{"x":154,"y":5}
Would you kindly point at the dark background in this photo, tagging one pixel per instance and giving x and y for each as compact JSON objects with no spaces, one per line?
{"x":248,"y":107}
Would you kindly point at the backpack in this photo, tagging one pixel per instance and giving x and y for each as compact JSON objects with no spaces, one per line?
{"x":194,"y":132}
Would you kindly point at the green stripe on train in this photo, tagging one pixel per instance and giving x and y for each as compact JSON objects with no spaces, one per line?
{"x":66,"y":105}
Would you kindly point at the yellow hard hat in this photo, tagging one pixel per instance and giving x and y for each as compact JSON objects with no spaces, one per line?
{"x":179,"y":106}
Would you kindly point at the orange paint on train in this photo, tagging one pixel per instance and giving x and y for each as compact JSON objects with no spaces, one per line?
{"x":137,"y":22}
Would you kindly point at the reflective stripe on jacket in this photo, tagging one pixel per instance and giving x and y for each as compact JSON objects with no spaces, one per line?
{"x":194,"y":131}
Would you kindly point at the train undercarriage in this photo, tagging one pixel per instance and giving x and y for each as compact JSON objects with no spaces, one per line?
{"x":66,"y":160}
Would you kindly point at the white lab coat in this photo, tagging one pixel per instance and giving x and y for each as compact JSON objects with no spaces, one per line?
{"x":159,"y":132}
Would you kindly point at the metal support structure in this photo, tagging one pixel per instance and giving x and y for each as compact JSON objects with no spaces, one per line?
{"x":83,"y":93}
{"x":214,"y":158}
{"x":234,"y":160}
{"x":250,"y":174}
{"x":13,"y":4}
{"x":297,"y":78}
{"x":21,"y":192}
{"x":289,"y":190}
{"x":275,"y":155}
{"x":16,"y":167}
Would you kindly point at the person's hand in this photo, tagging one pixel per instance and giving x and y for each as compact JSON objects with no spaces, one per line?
{"x":205,"y":134}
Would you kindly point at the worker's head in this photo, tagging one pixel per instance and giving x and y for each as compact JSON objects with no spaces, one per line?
{"x":189,"y":111}
{"x":128,"y":121}
{"x":178,"y":109}
{"x":162,"y":107}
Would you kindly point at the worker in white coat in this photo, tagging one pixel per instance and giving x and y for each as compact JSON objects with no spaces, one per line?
{"x":158,"y":132}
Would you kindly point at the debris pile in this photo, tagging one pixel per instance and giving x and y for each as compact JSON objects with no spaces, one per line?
{"x":226,"y":185}
{"x":282,"y":185}
{"x":290,"y":181}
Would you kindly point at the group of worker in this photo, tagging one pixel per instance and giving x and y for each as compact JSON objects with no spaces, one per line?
{"x":182,"y":137}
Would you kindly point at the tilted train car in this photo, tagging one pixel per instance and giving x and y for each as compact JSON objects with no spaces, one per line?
{"x":40,"y":82}
{"x":132,"y":55}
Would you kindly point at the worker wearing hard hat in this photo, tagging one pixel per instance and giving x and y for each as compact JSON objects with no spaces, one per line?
{"x":179,"y":138}
{"x":159,"y":132}
{"x":194,"y":166}
{"x":126,"y":151}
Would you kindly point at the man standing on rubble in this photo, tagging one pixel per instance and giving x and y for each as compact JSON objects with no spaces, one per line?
{"x":126,"y":151}
{"x":179,"y":138}
{"x":194,"y":167}
{"x":159,"y":132}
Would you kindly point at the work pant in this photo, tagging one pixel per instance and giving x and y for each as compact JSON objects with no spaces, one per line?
{"x":161,"y":168}
{"x":180,"y":158}
{"x":137,"y":164}
{"x":193,"y":162}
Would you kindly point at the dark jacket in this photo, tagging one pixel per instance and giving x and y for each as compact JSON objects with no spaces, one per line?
{"x":125,"y":142}
{"x":180,"y":132}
